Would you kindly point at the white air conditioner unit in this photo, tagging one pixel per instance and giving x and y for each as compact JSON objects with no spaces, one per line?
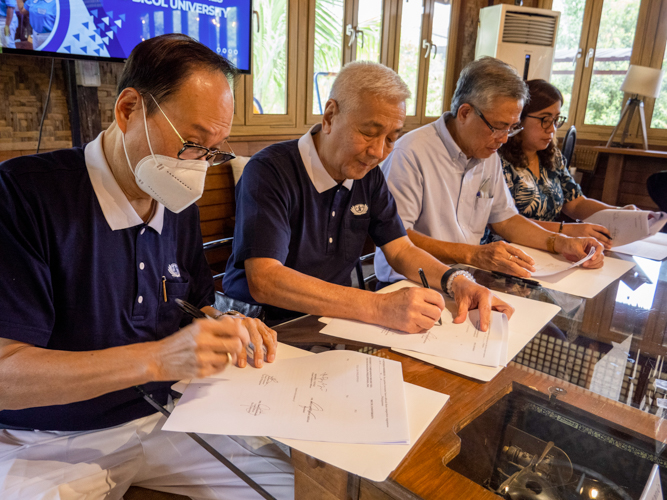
{"x":520,"y":36}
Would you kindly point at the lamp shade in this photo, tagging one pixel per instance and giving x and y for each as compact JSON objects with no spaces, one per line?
{"x":643,"y":81}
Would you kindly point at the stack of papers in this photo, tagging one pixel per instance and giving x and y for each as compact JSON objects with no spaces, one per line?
{"x":529,"y":318}
{"x":372,"y":461}
{"x":578,"y":281}
{"x":336,"y":396}
{"x":654,"y":247}
{"x":628,"y":226}
{"x":462,"y":342}
{"x":549,"y":264}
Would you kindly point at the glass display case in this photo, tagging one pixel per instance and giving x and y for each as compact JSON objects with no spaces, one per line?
{"x":531,"y":447}
{"x":612,"y":344}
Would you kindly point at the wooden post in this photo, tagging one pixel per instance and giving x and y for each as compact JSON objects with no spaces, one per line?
{"x":84,"y":108}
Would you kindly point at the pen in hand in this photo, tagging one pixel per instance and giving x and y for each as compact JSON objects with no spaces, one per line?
{"x":425,"y":285}
{"x":188,"y":308}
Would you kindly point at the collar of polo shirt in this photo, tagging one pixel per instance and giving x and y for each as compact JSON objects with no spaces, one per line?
{"x":116,"y":208}
{"x":311,"y":160}
{"x":454,"y":150}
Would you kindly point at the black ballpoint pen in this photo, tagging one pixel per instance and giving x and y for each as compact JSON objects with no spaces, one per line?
{"x":425,"y":285}
{"x":527,"y":281}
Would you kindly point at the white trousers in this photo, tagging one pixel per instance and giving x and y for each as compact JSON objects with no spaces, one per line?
{"x":104,"y":464}
{"x":38,"y":39}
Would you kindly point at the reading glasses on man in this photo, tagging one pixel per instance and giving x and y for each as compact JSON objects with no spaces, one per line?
{"x":495,"y":132}
{"x":548,"y":120}
{"x":192,"y":151}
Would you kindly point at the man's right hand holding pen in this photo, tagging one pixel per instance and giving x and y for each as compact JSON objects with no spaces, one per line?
{"x":212,"y":341}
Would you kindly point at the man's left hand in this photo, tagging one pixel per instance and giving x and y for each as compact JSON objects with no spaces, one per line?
{"x":574,"y":249}
{"x":470,"y":295}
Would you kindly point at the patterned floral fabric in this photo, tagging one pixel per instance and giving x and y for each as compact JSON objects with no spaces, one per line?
{"x":544,"y":199}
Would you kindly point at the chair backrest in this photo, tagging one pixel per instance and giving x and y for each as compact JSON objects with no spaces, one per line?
{"x":656,"y":185}
{"x":569,"y":142}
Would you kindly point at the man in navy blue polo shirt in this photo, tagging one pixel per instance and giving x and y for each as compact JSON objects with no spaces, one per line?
{"x":305,"y":208}
{"x":97,"y":243}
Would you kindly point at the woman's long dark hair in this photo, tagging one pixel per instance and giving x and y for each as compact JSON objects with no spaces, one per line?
{"x":542,"y":95}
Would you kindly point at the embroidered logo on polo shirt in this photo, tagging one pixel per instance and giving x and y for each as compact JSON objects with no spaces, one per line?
{"x":360,"y":209}
{"x":174,"y":271}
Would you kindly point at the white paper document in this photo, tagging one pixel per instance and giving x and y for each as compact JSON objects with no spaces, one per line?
{"x":529,"y":317}
{"x":654,"y":247}
{"x":335,"y":396}
{"x":372,"y":461}
{"x":658,"y":239}
{"x":580,"y":281}
{"x":653,"y":488}
{"x":462,"y":342}
{"x":377,"y":461}
{"x":548,"y":264}
{"x":627,"y":226}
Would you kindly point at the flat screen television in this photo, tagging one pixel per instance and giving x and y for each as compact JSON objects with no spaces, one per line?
{"x":110,"y":29}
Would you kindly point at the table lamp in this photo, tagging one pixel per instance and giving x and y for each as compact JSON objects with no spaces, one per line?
{"x":639,"y":82}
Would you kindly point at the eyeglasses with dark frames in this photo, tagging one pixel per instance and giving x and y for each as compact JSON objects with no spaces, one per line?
{"x":498,"y":133}
{"x":547,"y":121}
{"x":193,"y":151}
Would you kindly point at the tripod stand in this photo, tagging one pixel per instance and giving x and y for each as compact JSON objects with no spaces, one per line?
{"x":628,"y":112}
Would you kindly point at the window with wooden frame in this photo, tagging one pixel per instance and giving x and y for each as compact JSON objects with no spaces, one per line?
{"x":424,"y":56}
{"x":270,"y":91}
{"x":597,"y":42}
{"x":341,"y":31}
{"x":656,"y":109}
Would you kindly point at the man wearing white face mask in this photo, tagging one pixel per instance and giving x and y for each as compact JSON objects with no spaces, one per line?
{"x":97,"y":245}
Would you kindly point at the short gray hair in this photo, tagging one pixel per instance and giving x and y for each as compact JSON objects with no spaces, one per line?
{"x":483,"y":81}
{"x":358,"y":80}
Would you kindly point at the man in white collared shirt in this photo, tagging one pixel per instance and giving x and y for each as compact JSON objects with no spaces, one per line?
{"x":448,"y":181}
{"x":305,"y":208}
{"x":92,"y":267}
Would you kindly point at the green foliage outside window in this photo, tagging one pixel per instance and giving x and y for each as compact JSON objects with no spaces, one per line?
{"x":617,"y":31}
{"x":370,"y":22}
{"x":269,"y":57}
{"x":659,"y":119}
{"x":329,"y":15}
{"x":567,"y":41}
{"x":410,"y":50}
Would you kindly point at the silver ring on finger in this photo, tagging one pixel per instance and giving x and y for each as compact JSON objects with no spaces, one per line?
{"x":511,"y":257}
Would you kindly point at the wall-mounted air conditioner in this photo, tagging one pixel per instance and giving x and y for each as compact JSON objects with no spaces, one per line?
{"x":521,"y":36}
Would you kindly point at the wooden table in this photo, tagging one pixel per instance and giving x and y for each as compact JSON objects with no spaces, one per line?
{"x":424,"y":473}
{"x":616,"y":162}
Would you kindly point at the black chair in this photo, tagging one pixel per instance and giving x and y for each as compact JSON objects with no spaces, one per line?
{"x":656,"y":185}
{"x":569,"y":141}
{"x":361,"y":281}
{"x":212,"y":245}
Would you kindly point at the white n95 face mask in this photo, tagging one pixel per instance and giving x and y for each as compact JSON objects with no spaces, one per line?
{"x":175,"y":183}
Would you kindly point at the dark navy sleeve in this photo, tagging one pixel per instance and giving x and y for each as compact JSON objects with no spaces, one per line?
{"x":386,"y":224}
{"x":262,"y":213}
{"x":27,"y":313}
{"x":203,"y":289}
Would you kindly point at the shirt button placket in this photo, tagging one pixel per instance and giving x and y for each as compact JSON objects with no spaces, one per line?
{"x":142,"y":277}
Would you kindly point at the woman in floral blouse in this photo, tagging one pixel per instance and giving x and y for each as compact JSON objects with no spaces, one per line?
{"x":536,"y":175}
